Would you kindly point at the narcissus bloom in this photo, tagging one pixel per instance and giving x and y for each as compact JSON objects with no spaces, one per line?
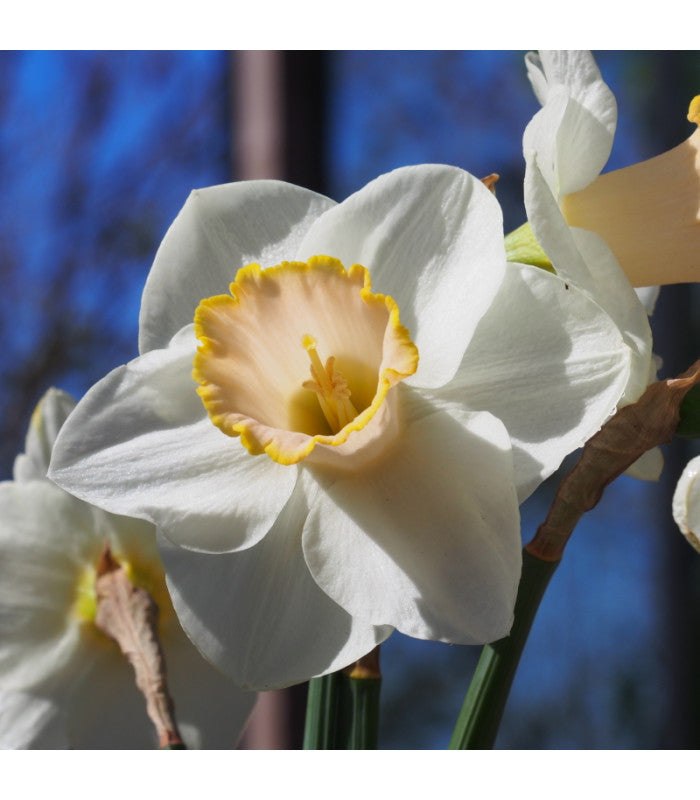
{"x":364,"y":394}
{"x":648,"y":213}
{"x":62,"y":681}
{"x":686,"y":503}
{"x":566,"y":145}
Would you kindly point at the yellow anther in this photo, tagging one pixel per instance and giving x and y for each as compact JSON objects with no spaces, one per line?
{"x":330,"y":386}
{"x":694,"y":110}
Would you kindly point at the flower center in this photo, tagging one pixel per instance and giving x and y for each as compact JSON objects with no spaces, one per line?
{"x":141,"y":572}
{"x":254,"y":377}
{"x":330,"y":386}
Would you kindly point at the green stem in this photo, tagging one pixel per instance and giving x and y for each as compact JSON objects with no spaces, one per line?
{"x":364,"y":694}
{"x":342,"y":710}
{"x":321,"y":705}
{"x":477,"y":725}
{"x":360,"y":704}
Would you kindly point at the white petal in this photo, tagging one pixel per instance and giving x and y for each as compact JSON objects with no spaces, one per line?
{"x":45,"y":540}
{"x":648,"y":295}
{"x":219,"y":230}
{"x":140,"y":443}
{"x":431,"y":236}
{"x":551,"y":230}
{"x":549,"y":363}
{"x":107,"y":711}
{"x":28,"y":721}
{"x":51,"y":412}
{"x":615,"y":295}
{"x":429,"y":541}
{"x":540,"y":142}
{"x":647,"y":467}
{"x":583,"y":127}
{"x":536,"y":76}
{"x":211,"y":710}
{"x":258,"y":615}
{"x":127,"y":535}
{"x":686,"y":503}
{"x":584,"y":260}
{"x":578,"y":73}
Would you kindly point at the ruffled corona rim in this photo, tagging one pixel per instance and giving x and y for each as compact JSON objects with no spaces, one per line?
{"x":299,"y":355}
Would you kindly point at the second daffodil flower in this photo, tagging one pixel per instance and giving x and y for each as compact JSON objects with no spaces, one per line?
{"x":63,"y":682}
{"x":605,"y":234}
{"x":349,"y":424}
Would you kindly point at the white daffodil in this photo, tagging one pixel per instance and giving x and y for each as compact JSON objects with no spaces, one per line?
{"x":352,"y":451}
{"x":58,"y":672}
{"x":566,"y":145}
{"x":686,"y":503}
{"x":647,"y":213}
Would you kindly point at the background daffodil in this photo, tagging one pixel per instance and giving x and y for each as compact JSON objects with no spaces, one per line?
{"x":686,"y":503}
{"x":345,"y":432}
{"x":566,"y":145}
{"x":62,"y":681}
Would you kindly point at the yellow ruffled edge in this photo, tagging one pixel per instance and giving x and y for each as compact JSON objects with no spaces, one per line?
{"x":389,"y":377}
{"x":694,"y":110}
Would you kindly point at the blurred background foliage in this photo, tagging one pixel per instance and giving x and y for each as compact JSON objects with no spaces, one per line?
{"x":99,"y":150}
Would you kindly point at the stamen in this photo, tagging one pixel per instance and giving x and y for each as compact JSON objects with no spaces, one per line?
{"x":251,"y":374}
{"x":330,"y":386}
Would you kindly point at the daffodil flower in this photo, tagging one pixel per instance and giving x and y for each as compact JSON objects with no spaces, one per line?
{"x":339,"y":406}
{"x":566,"y":145}
{"x":686,"y":503}
{"x":61,"y":679}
